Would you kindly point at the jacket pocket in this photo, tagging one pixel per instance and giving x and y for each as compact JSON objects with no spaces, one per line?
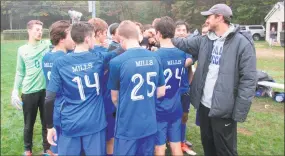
{"x":222,"y":104}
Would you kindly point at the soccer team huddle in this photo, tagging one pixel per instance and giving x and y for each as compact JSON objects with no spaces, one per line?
{"x":125,"y":101}
{"x":122,"y":98}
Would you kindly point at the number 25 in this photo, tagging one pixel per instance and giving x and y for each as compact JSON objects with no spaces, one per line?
{"x":134,"y":95}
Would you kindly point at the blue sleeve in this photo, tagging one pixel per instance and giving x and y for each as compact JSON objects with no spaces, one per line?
{"x":107,"y":58}
{"x":114,"y":76}
{"x":45,"y":70}
{"x":55,"y":82}
{"x":161,"y":79}
{"x":190,"y":56}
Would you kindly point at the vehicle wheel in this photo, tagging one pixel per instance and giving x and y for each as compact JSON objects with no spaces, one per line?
{"x":256,"y":37}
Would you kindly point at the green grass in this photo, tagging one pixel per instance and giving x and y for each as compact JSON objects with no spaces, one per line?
{"x":265,"y":45}
{"x":261,"y":134}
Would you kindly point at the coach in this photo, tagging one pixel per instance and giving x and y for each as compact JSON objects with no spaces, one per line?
{"x":224,"y":82}
{"x":30,"y":78}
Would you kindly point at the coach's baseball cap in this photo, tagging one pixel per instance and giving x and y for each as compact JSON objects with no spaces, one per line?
{"x":222,"y":9}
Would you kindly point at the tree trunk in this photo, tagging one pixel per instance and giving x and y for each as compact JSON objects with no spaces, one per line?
{"x":11,"y":20}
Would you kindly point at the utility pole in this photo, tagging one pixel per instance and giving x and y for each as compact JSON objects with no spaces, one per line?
{"x":94,"y":9}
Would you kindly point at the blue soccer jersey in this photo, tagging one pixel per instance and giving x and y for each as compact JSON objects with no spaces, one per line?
{"x":79,"y":75}
{"x":109,"y":105}
{"x":185,"y":85}
{"x":173,"y":62}
{"x":136,"y":74}
{"x":47,"y":64}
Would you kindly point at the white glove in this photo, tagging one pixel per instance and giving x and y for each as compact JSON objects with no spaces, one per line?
{"x":15,"y":100}
{"x":51,"y":136}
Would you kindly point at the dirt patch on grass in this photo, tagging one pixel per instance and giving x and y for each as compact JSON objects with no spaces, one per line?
{"x":267,"y":106}
{"x":244,"y":131}
{"x":269,"y":53}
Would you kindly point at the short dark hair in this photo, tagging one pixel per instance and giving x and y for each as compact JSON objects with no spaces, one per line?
{"x":181,"y":22}
{"x":166,"y":27}
{"x":128,"y":30}
{"x":58,"y":31}
{"x":80,"y":30}
{"x":155,"y":21}
{"x":113,"y":28}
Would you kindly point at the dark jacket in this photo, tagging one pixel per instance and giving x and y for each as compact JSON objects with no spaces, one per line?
{"x":236,"y":83}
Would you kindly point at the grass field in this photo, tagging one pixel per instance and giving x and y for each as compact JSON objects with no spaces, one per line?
{"x":261,"y":134}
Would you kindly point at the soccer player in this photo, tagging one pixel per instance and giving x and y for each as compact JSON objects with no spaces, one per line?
{"x":136,"y":80}
{"x":30,"y":78}
{"x":115,"y":39}
{"x":100,"y":30}
{"x":169,"y":108}
{"x":62,"y":42}
{"x":205,"y":29}
{"x":79,"y":76}
{"x":182,"y":30}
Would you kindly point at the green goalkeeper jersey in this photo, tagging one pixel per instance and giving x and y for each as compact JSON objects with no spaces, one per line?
{"x":29,"y":74}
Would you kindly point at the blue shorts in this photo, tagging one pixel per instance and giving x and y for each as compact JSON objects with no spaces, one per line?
{"x":185,"y":101}
{"x":168,"y":130}
{"x":110,"y":127}
{"x":143,"y":146}
{"x":58,"y":133}
{"x":94,"y":144}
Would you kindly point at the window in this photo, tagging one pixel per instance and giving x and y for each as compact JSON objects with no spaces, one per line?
{"x":255,"y":27}
{"x":242,"y":28}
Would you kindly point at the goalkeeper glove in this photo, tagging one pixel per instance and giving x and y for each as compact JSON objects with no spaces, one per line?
{"x":15,"y":100}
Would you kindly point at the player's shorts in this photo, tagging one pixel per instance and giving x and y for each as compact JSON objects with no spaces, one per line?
{"x":168,"y":130}
{"x":185,"y":101}
{"x":58,"y":133}
{"x":143,"y":146}
{"x":94,"y":144}
{"x":110,"y":127}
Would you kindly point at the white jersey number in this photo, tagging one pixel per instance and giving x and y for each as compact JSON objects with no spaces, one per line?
{"x":96,"y":84}
{"x":168,"y":74}
{"x":134,"y":95}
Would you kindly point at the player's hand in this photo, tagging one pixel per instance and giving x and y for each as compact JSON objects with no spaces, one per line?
{"x":152,"y":40}
{"x":51,"y":136}
{"x":15,"y":100}
{"x":153,"y":48}
{"x":150,"y":32}
{"x":184,"y":118}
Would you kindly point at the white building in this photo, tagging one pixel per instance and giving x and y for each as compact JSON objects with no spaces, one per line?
{"x":275,"y":18}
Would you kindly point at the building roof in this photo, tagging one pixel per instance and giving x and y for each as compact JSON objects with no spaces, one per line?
{"x":277,"y":6}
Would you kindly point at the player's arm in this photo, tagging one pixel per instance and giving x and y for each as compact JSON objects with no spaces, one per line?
{"x":160,"y":92}
{"x":115,"y":97}
{"x":53,"y":87}
{"x":19,"y":77}
{"x":49,"y":105}
{"x":190,"y":74}
{"x":188,"y":64}
{"x":114,"y":81}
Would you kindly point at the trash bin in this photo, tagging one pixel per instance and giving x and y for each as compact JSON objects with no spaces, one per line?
{"x":282,"y":38}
